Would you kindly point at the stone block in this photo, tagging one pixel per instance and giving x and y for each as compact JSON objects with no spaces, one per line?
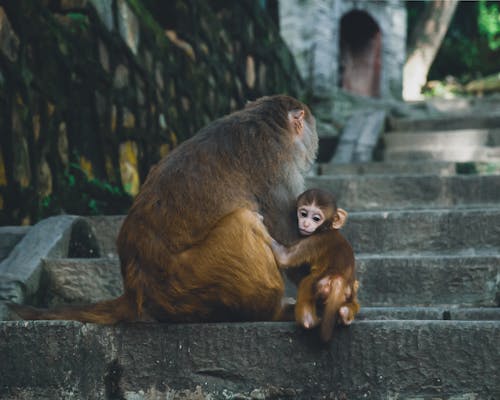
{"x":50,"y":237}
{"x":105,"y":229}
{"x":81,"y":280}
{"x":429,"y":313}
{"x":128,"y":26}
{"x":9,"y":41}
{"x":463,"y":120}
{"x":457,"y":232}
{"x":359,"y":137}
{"x":104,"y":10}
{"x":439,"y":168}
{"x":432,"y":280}
{"x":369,"y":359}
{"x":384,"y":192}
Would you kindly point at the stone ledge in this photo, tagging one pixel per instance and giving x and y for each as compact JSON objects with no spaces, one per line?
{"x":453,"y":231}
{"x":54,"y":237}
{"x":383,"y":192}
{"x":440,"y":168}
{"x":9,"y":237}
{"x":460,"y":280}
{"x":370,"y":359}
{"x":429,"y":313}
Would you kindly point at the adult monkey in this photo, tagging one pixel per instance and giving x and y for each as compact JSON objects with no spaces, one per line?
{"x":193,"y":247}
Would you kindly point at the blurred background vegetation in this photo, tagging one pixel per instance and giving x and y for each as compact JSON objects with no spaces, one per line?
{"x":470,"y":49}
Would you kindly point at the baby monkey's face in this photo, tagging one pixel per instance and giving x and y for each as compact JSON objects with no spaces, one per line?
{"x":310,"y":217}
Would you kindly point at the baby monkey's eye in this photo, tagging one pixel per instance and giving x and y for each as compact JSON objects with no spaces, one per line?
{"x":316,"y":218}
{"x":303,"y":213}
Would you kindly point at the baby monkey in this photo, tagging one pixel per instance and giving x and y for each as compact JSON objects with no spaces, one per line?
{"x":331,"y":281}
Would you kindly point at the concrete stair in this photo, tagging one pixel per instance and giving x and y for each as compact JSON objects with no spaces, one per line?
{"x":427,"y":244}
{"x":455,"y":138}
{"x":423,"y":222}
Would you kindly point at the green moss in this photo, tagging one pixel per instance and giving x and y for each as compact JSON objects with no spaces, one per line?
{"x":79,"y":195}
{"x":149,"y":23}
{"x":81,"y":21}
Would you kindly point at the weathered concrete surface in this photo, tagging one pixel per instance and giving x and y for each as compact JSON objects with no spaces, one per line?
{"x":458,"y":232}
{"x":22,"y":268}
{"x":468,"y":281}
{"x":80,"y":280}
{"x":456,"y":154}
{"x":388,"y":168}
{"x":402,"y":167}
{"x":454,"y":145}
{"x":383,"y":192}
{"x":105,"y":229}
{"x":9,"y":237}
{"x":429,"y":313}
{"x":446,"y":122}
{"x":55,"y":237}
{"x":385,"y":281}
{"x":360,"y":136}
{"x":370,"y":359}
{"x":456,"y":137}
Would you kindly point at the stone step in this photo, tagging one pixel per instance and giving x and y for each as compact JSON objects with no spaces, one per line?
{"x":378,"y":192}
{"x":473,"y":107}
{"x":456,"y":137}
{"x":404,"y":167}
{"x":466,"y":281}
{"x":488,"y":155}
{"x":388,"y":168}
{"x":469,"y":281}
{"x":80,"y":280}
{"x":458,"y":232}
{"x":446,"y":122}
{"x":428,"y":313}
{"x":369,"y":359}
{"x":456,"y":145}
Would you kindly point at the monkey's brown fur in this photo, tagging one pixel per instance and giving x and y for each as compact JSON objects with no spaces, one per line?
{"x":332,"y":264}
{"x":192,"y":247}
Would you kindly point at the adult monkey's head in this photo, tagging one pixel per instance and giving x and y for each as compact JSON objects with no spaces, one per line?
{"x":296,"y":117}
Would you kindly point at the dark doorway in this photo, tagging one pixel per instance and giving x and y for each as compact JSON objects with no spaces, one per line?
{"x":360,"y":54}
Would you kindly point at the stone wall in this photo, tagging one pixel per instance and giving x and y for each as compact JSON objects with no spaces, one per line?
{"x":93,"y":92}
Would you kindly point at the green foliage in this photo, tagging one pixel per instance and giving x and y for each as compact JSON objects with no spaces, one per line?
{"x":477,"y":168}
{"x":79,"y":195}
{"x":80,"y":21}
{"x":467,"y":52}
{"x":489,"y":23}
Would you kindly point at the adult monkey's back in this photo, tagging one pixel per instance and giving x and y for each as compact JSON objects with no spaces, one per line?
{"x":193,"y":247}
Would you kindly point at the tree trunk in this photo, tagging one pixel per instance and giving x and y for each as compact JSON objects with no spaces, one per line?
{"x":424,"y":42}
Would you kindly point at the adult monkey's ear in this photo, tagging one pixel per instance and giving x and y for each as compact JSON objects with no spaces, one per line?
{"x":296,"y":118}
{"x":339,"y":219}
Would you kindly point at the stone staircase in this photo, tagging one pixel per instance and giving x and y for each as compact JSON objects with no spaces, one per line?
{"x":427,"y":242}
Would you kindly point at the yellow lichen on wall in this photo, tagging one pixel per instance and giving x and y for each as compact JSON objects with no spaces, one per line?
{"x":128,"y":167}
{"x":164,"y":149}
{"x":173,"y":139}
{"x":3,"y":176}
{"x":86,"y":166}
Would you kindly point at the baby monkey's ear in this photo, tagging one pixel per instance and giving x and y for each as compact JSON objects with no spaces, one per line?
{"x":339,"y":219}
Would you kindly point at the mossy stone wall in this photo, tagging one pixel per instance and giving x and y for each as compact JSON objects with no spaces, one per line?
{"x":94,"y":92}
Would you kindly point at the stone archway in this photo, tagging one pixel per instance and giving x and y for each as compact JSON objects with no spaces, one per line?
{"x":360,"y":54}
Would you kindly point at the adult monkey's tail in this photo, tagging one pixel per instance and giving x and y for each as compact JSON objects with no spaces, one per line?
{"x":123,"y":308}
